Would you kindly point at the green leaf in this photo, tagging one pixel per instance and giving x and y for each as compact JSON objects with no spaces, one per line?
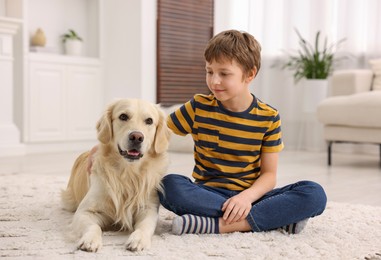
{"x":312,"y":61}
{"x":71,"y":35}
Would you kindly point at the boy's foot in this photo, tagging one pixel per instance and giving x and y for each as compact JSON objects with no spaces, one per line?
{"x":192,"y":224}
{"x":295,"y":228}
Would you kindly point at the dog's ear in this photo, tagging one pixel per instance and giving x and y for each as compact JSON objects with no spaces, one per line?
{"x":163,"y":133}
{"x":104,"y":126}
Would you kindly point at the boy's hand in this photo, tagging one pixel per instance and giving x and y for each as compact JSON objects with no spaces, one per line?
{"x":236,"y":208}
{"x":91,"y":158}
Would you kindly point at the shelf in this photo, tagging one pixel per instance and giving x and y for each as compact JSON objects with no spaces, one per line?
{"x":52,"y":17}
{"x":64,"y":59}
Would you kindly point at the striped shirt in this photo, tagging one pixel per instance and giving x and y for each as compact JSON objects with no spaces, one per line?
{"x":228,"y":145}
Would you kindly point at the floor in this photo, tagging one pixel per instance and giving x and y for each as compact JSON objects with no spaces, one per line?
{"x":351,"y":178}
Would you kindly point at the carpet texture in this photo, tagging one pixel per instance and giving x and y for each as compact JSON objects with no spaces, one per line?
{"x":33,"y":226}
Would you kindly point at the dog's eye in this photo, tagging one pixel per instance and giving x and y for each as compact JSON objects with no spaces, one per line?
{"x":149,"y":121}
{"x":123,"y":117}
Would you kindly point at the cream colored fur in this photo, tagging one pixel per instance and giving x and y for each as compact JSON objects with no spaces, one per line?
{"x":119,"y":191}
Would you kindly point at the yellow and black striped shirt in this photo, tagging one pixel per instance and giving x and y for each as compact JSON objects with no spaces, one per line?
{"x":228,"y":145}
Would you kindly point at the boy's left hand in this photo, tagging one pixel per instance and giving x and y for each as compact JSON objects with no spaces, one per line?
{"x":236,"y":208}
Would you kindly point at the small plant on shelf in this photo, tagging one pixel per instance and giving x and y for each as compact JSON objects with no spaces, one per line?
{"x":72,"y":43}
{"x":70,"y":35}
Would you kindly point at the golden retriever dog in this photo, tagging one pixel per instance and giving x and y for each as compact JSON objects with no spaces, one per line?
{"x":121,"y":189}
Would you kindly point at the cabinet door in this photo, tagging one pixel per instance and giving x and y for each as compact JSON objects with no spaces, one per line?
{"x":84,"y":104}
{"x":47,"y":99}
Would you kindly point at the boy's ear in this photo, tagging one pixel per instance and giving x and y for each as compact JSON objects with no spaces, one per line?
{"x":251,"y":74}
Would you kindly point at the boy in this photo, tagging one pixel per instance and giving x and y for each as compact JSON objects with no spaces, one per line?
{"x":237,"y":139}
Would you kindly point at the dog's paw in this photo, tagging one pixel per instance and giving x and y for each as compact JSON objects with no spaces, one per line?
{"x":90,"y":242}
{"x":138,"y":241}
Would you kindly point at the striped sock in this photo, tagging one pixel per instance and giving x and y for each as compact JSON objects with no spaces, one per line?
{"x":295,"y":228}
{"x":192,"y":224}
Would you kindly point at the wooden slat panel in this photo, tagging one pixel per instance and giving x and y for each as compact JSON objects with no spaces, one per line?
{"x":184,"y":27}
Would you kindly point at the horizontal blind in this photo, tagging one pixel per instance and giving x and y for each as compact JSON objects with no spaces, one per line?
{"x":184,"y":28}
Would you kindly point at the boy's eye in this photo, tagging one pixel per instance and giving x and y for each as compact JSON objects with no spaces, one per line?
{"x":209,"y":72}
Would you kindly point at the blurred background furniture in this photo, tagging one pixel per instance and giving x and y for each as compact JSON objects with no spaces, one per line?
{"x":352,"y":113}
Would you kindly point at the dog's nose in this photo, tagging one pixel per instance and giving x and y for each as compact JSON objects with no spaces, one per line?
{"x":136,"y":137}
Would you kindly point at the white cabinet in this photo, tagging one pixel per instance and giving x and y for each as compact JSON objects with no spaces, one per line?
{"x":58,"y":98}
{"x":65,"y":99}
{"x":47,"y":100}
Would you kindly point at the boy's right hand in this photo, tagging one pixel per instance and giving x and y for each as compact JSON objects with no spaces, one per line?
{"x":90,"y":159}
{"x":236,"y":208}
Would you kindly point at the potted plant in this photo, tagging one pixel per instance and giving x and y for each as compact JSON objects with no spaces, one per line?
{"x":314,"y":64}
{"x":312,"y":61}
{"x":72,"y":42}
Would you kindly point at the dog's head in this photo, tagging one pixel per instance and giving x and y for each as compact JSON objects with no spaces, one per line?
{"x":134,"y":127}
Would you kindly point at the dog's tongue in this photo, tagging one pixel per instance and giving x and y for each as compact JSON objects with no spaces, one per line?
{"x":133,"y":152}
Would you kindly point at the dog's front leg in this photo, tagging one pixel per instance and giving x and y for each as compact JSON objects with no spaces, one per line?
{"x":145,"y":226}
{"x":86,"y":224}
{"x":88,"y":219}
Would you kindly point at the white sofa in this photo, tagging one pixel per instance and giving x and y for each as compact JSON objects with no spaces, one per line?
{"x":352,"y":113}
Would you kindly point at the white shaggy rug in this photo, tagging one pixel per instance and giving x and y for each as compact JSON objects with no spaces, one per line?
{"x":32,"y":226}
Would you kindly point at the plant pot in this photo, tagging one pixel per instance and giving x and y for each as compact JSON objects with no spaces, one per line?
{"x":314,"y":91}
{"x":311,"y":137}
{"x":73,"y":47}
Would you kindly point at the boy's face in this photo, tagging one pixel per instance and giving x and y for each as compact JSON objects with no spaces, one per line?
{"x":227,"y":81}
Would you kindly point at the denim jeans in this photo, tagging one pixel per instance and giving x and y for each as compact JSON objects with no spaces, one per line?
{"x":277,"y":208}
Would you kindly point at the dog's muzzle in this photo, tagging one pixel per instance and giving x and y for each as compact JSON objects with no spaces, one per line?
{"x":135,"y":140}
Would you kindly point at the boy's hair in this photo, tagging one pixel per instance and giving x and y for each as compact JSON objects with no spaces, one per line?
{"x":241,"y":47}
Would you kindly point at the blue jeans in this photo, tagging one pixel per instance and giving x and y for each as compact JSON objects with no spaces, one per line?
{"x":277,"y":208}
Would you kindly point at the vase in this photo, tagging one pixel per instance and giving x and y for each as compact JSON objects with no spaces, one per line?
{"x":73,"y":47}
{"x":38,"y":38}
{"x":314,"y":91}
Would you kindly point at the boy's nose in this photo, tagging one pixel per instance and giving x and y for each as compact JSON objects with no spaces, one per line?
{"x":216,"y":79}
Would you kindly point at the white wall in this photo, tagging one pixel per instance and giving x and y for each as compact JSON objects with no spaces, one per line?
{"x":129,"y":49}
{"x":231,"y":14}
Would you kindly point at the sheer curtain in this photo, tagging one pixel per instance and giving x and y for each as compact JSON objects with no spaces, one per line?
{"x":273,"y":23}
{"x":358,"y":21}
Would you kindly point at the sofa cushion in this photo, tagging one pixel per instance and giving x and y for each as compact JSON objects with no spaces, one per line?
{"x":358,"y":110}
{"x":352,"y":134}
{"x":376,"y":67}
